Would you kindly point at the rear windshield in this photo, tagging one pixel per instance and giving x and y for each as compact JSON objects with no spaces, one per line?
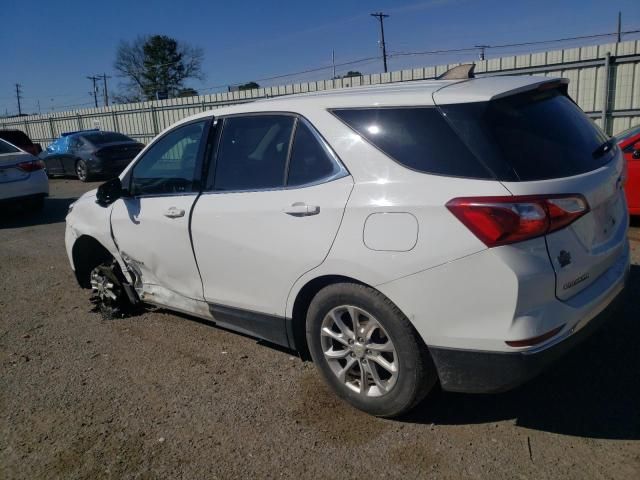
{"x":100,"y":138}
{"x":7,"y":148}
{"x":524,"y":137}
{"x":530,"y":136}
{"x":16,"y":137}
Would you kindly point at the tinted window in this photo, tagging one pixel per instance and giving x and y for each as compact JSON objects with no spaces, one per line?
{"x":100,"y":138}
{"x":7,"y":148}
{"x":418,"y":138}
{"x":530,"y":136}
{"x":169,"y":164}
{"x":252,"y":152}
{"x":16,"y":137}
{"x":310,"y":162}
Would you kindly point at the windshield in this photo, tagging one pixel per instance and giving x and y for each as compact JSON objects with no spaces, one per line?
{"x":530,"y":136}
{"x":100,"y":138}
{"x":6,"y":147}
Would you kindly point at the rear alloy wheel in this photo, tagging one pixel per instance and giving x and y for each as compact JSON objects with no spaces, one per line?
{"x":107,"y":292}
{"x":82,"y":171}
{"x":367,"y":350}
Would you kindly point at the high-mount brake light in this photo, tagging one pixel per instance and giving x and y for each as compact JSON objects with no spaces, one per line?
{"x":504,"y":220}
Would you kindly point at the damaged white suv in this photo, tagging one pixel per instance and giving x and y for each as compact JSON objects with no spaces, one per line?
{"x":464,"y":232}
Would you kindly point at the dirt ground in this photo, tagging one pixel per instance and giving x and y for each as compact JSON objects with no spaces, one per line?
{"x":165,"y":396}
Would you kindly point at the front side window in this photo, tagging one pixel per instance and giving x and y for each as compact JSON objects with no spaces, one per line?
{"x":169,"y":164}
{"x":310,"y":162}
{"x":252,"y":152}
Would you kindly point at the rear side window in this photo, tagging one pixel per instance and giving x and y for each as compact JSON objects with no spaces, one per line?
{"x":252,"y":152}
{"x":7,"y":148}
{"x":531,"y":136}
{"x":310,"y":162}
{"x":418,"y":138}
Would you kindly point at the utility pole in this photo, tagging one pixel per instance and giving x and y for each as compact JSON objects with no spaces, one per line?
{"x":39,"y":112}
{"x":381,"y":16}
{"x":619,"y":26}
{"x":18,"y":97}
{"x":106,"y":92}
{"x":333,"y":61}
{"x":482,"y":49}
{"x":94,"y":92}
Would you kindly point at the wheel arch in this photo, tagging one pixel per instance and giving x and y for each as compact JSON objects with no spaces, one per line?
{"x":301,"y":304}
{"x":87,"y":253}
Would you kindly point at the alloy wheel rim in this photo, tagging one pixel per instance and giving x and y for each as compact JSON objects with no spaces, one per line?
{"x":359,"y":351}
{"x":80,"y":171}
{"x":102,"y":286}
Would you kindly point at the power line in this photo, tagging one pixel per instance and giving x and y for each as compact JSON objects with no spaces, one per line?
{"x":508,"y":45}
{"x":381,"y":16}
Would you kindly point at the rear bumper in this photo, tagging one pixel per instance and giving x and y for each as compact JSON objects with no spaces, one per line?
{"x":491,"y":372}
{"x":35,"y":185}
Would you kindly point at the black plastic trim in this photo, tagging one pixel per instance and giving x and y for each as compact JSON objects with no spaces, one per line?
{"x":472,"y":371}
{"x":271,"y":328}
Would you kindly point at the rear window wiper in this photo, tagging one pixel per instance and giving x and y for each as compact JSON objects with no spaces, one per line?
{"x":604,"y":148}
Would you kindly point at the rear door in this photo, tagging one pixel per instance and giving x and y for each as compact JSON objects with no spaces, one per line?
{"x":270,"y":211}
{"x":540,"y":142}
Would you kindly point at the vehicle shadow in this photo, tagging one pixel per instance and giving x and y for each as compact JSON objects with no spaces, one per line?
{"x":594,"y":391}
{"x":54,"y":211}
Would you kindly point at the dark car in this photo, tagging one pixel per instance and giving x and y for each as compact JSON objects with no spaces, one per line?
{"x":629,"y":143}
{"x":90,"y":153}
{"x":21,"y":140}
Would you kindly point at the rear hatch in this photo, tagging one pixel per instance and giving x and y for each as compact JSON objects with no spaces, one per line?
{"x":536,"y":141}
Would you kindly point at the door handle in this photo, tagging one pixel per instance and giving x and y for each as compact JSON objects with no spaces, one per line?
{"x":301,"y":209}
{"x":174,"y":212}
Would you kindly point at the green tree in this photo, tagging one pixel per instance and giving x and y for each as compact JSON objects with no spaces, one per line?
{"x":156,"y":65}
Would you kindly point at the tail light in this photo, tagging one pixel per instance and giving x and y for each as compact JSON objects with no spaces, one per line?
{"x":31,"y":166}
{"x":504,"y":220}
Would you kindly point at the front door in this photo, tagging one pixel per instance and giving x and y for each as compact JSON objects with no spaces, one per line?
{"x":151,"y":226}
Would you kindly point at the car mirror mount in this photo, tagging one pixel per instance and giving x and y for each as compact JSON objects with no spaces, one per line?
{"x":110,"y":191}
{"x":636,"y":150}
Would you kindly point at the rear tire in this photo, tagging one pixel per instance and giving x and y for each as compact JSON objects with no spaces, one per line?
{"x":82,"y":171}
{"x":378,"y":363}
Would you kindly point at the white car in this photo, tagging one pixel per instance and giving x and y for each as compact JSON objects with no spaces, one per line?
{"x":461,"y":232}
{"x":23,"y":180}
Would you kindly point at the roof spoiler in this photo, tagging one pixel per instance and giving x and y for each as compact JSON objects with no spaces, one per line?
{"x":66,"y":134}
{"x":461,"y":72}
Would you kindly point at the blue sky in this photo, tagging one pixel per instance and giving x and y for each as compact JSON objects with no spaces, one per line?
{"x":50,"y":47}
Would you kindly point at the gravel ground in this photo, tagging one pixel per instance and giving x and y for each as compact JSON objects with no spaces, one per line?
{"x":165,"y":396}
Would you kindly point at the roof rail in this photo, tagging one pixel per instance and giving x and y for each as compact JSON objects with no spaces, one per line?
{"x":461,"y":72}
{"x":66,"y":134}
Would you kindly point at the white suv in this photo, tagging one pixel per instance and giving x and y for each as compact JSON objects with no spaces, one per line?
{"x":461,"y":232}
